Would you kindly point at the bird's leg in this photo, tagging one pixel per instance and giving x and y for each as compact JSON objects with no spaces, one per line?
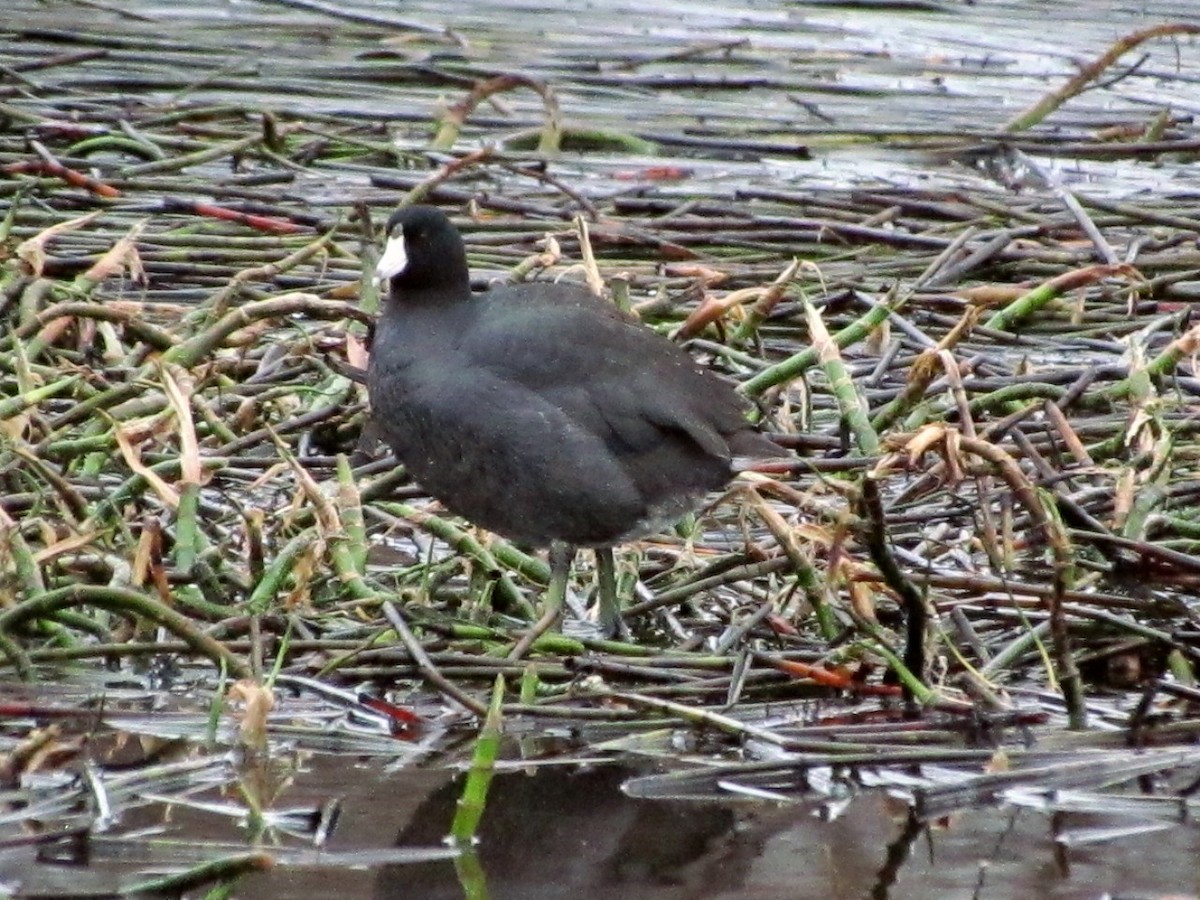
{"x":561,"y":557}
{"x":610,"y":620}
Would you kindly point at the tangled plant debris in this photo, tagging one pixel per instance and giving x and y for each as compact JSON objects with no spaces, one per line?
{"x":991,"y":517}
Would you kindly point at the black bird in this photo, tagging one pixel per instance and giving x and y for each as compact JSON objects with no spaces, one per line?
{"x":540,"y":411}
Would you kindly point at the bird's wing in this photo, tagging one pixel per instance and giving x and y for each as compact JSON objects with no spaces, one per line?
{"x":615,"y":376}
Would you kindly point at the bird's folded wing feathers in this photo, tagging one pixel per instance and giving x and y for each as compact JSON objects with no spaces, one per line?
{"x":631,"y":403}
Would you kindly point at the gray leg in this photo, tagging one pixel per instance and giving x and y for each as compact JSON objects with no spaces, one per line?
{"x":561,"y":557}
{"x":606,"y":587}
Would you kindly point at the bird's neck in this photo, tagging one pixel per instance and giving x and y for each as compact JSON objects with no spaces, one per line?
{"x":422,"y":317}
{"x":445,"y":293}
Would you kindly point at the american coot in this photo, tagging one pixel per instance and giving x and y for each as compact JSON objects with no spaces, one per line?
{"x":540,"y":411}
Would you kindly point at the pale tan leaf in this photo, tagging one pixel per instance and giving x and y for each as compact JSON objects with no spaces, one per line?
{"x":178,"y":383}
{"x":32,"y":252}
{"x":121,"y":256}
{"x":165,"y":492}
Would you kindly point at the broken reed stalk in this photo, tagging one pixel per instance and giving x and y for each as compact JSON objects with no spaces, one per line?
{"x":118,"y":600}
{"x":219,"y":304}
{"x":473,"y":802}
{"x":916,"y":614}
{"x":428,"y":668}
{"x":1027,"y":304}
{"x":454,"y":118}
{"x":225,"y":869}
{"x":1089,"y":73}
{"x":852,"y":409}
{"x":191,"y":352}
{"x":798,"y":363}
{"x":923,"y":371}
{"x":1046,"y":518}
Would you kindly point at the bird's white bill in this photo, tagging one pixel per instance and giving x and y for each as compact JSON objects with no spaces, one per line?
{"x":393,"y":260}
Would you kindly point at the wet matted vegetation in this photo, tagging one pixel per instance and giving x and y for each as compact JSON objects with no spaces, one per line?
{"x":953,"y":273}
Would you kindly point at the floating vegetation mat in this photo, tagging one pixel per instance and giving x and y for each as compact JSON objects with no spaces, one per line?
{"x":985,"y":545}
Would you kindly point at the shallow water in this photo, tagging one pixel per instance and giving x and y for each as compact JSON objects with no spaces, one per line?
{"x":837,"y":79}
{"x":554,"y":831}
